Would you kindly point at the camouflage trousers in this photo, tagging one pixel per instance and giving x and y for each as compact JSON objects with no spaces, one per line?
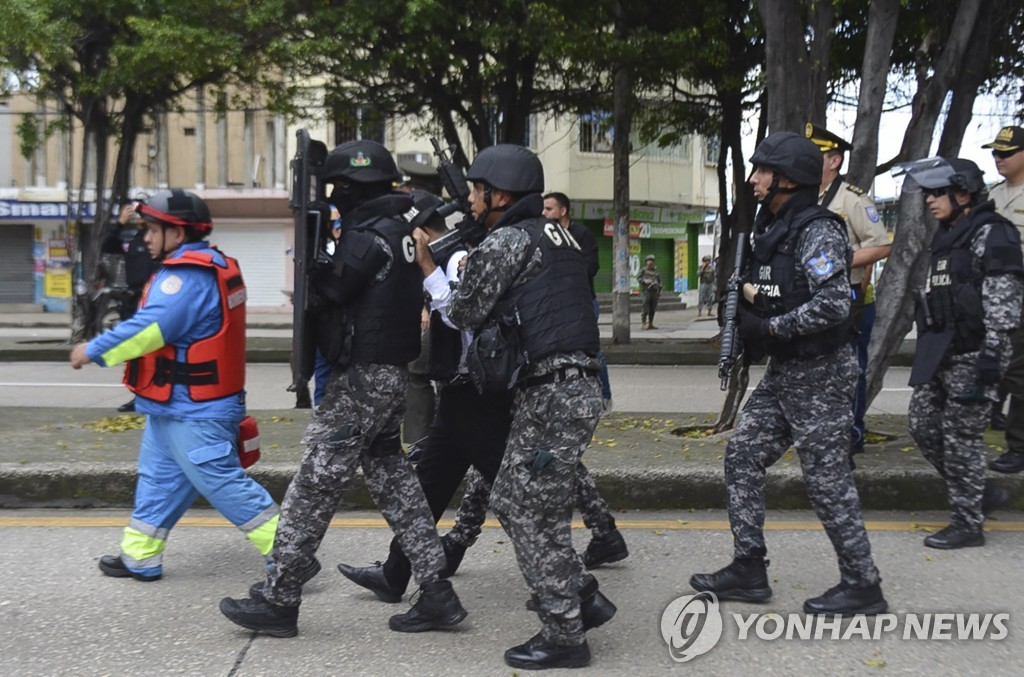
{"x":356,"y":424}
{"x":552,"y":425}
{"x":949,"y":433}
{"x":472,"y":512}
{"x":806,"y":403}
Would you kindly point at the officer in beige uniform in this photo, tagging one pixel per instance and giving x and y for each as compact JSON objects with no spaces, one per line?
{"x":870,"y":243}
{"x":1008,"y":153}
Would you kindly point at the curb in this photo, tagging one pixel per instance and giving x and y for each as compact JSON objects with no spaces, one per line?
{"x":108,"y":485}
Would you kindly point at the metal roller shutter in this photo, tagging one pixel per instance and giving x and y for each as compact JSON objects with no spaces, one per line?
{"x":260,"y":250}
{"x":16,"y":282}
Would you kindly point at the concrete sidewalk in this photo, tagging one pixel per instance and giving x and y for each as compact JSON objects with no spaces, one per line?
{"x":74,"y":458}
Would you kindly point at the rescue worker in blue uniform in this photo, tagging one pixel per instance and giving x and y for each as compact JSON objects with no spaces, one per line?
{"x":965,"y":319}
{"x":375,"y":294}
{"x":185,"y":354}
{"x":795,"y":308}
{"x":527,"y":279}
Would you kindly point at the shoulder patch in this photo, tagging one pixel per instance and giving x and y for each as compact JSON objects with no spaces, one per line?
{"x":171,"y":285}
{"x":872,"y":213}
{"x":854,"y":189}
{"x":821,"y":265}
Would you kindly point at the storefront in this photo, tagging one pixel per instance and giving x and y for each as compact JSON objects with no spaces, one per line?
{"x":669,"y":234}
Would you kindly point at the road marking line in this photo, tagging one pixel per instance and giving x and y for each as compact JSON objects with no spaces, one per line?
{"x":379,"y":523}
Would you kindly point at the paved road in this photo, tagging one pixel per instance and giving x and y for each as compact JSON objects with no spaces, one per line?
{"x":670,"y":389}
{"x":60,"y":616}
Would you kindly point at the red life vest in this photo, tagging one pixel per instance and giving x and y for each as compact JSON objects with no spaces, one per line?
{"x":214,"y":367}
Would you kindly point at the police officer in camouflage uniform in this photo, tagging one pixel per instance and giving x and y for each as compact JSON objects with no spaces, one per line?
{"x":606,"y":545}
{"x":374,"y":278}
{"x":972,"y":306}
{"x":795,"y":309}
{"x":529,"y":275}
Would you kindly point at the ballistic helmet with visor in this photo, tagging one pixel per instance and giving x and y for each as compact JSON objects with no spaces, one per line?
{"x":177,"y":207}
{"x":362,"y":161}
{"x":790,"y":155}
{"x":513,"y":169}
{"x":936,"y":173}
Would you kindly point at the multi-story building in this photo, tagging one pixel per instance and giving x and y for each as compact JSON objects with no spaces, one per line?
{"x":238,"y":162}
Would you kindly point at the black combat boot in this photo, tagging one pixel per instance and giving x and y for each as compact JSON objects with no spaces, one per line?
{"x":611,"y":548}
{"x":845,"y":600}
{"x":1010,"y":462}
{"x":453,"y":554}
{"x":311,"y":569}
{"x":539,"y":654}
{"x":745,"y":580}
{"x":595,"y":608}
{"x":437,"y":607}
{"x":955,"y":537}
{"x":374,"y":580}
{"x":114,"y":566}
{"x":994,"y":498}
{"x":262,"y":616}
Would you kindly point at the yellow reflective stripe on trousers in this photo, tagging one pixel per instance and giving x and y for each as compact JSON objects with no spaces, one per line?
{"x":141,"y":551}
{"x":146,"y":341}
{"x":263,"y":535}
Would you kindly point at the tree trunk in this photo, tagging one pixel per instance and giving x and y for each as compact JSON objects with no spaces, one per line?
{"x":965,"y":89}
{"x":787,"y":71}
{"x":882,"y":21}
{"x":622,"y":115}
{"x":906,"y":267}
{"x":821,"y":17}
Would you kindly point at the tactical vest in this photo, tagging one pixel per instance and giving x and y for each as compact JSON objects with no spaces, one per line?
{"x":954,"y":295}
{"x":445,"y":342}
{"x":782,"y":290}
{"x":385,"y":319}
{"x":555,"y":310}
{"x":214,"y":366}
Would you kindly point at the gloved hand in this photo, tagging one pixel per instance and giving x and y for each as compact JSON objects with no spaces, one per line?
{"x":753,"y":329}
{"x":988,"y":366}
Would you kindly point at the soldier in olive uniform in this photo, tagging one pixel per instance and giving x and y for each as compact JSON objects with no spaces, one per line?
{"x":795,"y":308}
{"x":972,"y":305}
{"x":528,"y":278}
{"x":870,"y":243}
{"x":374,"y":278}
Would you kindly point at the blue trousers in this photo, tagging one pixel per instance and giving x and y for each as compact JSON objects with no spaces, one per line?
{"x":860,"y":397}
{"x":178,"y":461}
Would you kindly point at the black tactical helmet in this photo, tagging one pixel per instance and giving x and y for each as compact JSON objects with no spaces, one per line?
{"x":360,"y":162}
{"x":177,"y":208}
{"x":508,"y":167}
{"x":790,"y":155}
{"x":425,"y":205}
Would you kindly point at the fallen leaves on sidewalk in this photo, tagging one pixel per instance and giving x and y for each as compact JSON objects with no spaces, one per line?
{"x":116,"y":424}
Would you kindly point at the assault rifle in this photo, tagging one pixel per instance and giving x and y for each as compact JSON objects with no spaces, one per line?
{"x":311,"y":212}
{"x":729,"y":351}
{"x":469,"y":230}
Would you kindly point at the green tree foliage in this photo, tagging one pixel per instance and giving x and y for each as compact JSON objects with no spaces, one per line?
{"x":112,"y":63}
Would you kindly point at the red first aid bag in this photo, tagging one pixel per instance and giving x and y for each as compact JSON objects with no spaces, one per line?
{"x":248,"y":441}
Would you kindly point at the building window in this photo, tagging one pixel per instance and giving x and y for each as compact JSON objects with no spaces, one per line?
{"x":359,"y":122}
{"x":712,"y":148}
{"x":597,"y":133}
